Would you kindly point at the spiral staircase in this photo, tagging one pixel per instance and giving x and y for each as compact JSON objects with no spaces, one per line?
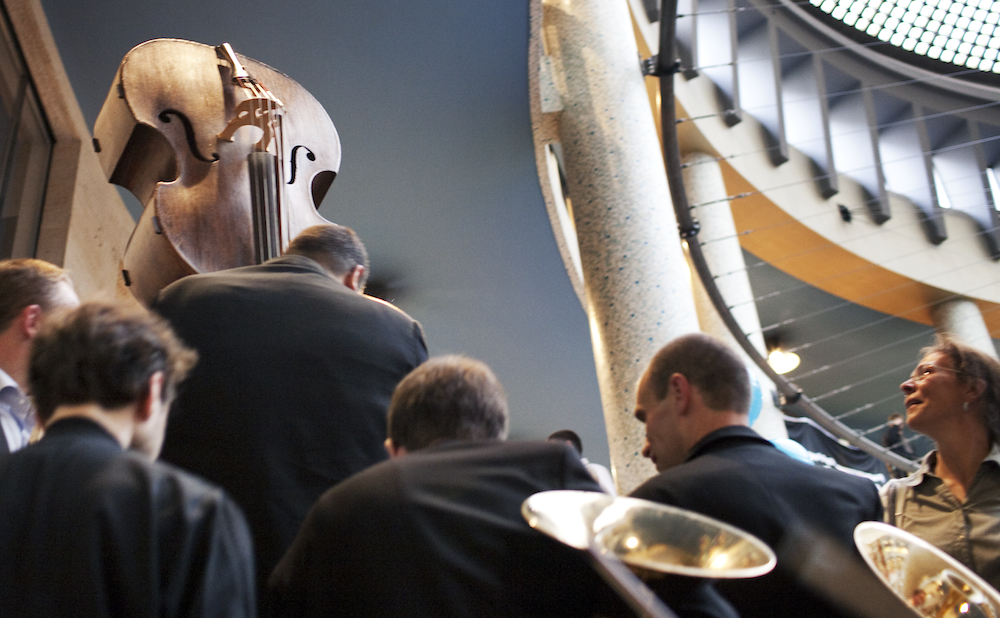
{"x":862,"y":181}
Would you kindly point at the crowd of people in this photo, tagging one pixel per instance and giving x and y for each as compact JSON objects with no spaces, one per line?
{"x":317,"y":463}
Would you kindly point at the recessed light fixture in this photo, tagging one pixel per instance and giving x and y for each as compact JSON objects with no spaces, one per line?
{"x":781,"y":361}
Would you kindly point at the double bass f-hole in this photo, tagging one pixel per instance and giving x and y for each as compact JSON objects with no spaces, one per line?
{"x":188,"y":134}
{"x":295,"y":164}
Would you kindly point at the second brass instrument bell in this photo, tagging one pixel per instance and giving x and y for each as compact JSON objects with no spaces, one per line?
{"x":930,"y":582}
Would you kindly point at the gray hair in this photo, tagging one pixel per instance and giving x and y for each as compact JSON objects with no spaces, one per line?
{"x":337,"y":248}
{"x":971,"y":364}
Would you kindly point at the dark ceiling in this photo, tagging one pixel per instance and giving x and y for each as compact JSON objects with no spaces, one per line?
{"x":853,"y":358}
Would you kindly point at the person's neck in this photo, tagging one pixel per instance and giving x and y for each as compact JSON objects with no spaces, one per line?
{"x":116,"y":422}
{"x":14,"y":359}
{"x":958,"y":459}
{"x":712,"y":420}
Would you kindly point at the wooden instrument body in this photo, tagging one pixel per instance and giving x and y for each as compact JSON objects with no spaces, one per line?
{"x":158,"y":135}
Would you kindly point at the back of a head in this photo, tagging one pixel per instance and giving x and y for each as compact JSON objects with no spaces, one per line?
{"x":447,"y":398}
{"x":336,"y":248}
{"x":104,"y":354}
{"x":567,"y":435}
{"x":708,"y":364}
{"x":27,"y":281}
{"x":973,"y":364}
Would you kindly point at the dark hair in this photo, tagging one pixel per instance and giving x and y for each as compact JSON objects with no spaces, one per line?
{"x":708,"y":364}
{"x":447,"y":398}
{"x":567,"y":435}
{"x":971,"y":364}
{"x":104,"y":354}
{"x":27,"y":281}
{"x":336,"y":248}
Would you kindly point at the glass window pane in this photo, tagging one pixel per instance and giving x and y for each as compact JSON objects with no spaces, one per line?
{"x":25,"y":151}
{"x":25,"y":192}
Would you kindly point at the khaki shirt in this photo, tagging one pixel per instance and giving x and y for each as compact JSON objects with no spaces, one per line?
{"x":969,"y":531}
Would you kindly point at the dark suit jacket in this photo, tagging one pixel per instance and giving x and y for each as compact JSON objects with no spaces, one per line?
{"x":738,"y":477}
{"x":439,"y":534}
{"x":87,"y":529}
{"x":289,"y":396}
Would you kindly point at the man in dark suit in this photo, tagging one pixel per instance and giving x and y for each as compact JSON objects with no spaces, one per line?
{"x":437,"y":531}
{"x":694,"y":399}
{"x":89,"y":524}
{"x":297,"y":369}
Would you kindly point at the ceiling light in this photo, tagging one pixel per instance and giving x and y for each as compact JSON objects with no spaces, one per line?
{"x":781,"y":361}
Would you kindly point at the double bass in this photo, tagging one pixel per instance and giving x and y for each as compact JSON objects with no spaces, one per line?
{"x":229,"y":157}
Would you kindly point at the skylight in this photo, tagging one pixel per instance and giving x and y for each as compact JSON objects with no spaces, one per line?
{"x":962,"y":32}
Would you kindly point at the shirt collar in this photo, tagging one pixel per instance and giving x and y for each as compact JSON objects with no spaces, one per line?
{"x":78,"y":426}
{"x":926,"y":464}
{"x":738,"y":433}
{"x":994,"y":455}
{"x":930,"y":460}
{"x":292,"y":260}
{"x":6,"y":380}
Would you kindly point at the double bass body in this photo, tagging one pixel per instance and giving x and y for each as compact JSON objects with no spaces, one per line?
{"x":175,"y":130}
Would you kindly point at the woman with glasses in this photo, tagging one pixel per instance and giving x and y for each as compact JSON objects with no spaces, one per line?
{"x":953,"y":500}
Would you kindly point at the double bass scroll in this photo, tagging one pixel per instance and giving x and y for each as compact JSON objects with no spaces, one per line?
{"x":229,"y":157}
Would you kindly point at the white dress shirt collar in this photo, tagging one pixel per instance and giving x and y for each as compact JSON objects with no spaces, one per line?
{"x":17,"y":416}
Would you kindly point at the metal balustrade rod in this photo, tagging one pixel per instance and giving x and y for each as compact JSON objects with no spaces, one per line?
{"x":664,"y":68}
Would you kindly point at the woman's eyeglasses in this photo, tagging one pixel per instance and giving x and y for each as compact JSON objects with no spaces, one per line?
{"x":926,"y":369}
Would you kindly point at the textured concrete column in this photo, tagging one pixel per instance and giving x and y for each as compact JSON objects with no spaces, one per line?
{"x":638,"y":292}
{"x":704,"y":184}
{"x":962,"y":319}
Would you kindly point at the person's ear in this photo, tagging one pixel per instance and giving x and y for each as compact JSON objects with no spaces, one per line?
{"x":681,"y":389}
{"x":153,"y":398}
{"x":353,"y":278}
{"x":976,"y":388}
{"x":30,"y":320}
{"x":393,"y":450}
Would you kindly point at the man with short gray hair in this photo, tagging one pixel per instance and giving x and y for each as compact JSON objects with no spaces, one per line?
{"x":30,"y":290}
{"x":437,"y":531}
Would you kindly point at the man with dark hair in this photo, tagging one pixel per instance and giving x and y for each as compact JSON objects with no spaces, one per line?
{"x":568,"y":436}
{"x":437,"y":530}
{"x":29,"y":291}
{"x":89,"y":524}
{"x":601,"y":474}
{"x":893,"y":440}
{"x":450,"y":398}
{"x":694,"y":400}
{"x":297,"y":369}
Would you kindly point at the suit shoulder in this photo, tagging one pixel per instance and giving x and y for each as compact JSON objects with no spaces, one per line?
{"x":657,"y":488}
{"x":499,"y":450}
{"x":371,"y":485}
{"x":845,"y":479}
{"x":187,"y":485}
{"x":388,"y":306}
{"x":723,"y":475}
{"x":184,"y":289}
